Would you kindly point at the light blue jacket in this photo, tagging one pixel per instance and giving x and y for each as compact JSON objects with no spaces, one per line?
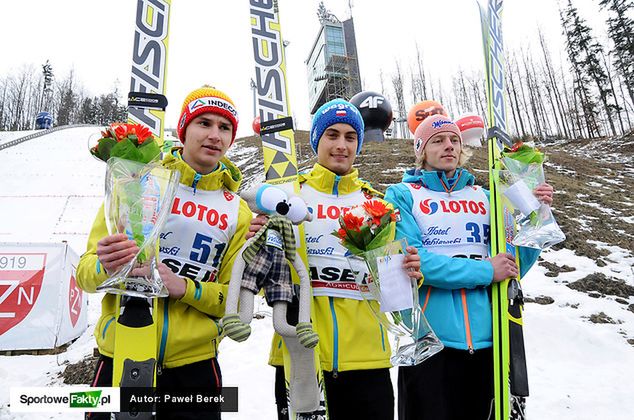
{"x":455,"y":292}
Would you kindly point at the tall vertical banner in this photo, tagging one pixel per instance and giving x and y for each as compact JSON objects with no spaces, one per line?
{"x":304,"y":379}
{"x":509,"y":359}
{"x":41,"y":306}
{"x":146,"y":100}
{"x":278,"y":139}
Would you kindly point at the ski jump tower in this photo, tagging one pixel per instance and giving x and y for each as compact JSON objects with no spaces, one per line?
{"x":332,"y":65}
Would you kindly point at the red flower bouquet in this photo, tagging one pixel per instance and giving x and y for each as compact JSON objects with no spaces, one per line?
{"x":392,"y":296}
{"x":127,"y":141}
{"x":365,"y":227}
{"x":139,"y":192}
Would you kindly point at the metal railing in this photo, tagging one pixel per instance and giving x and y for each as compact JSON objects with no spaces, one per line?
{"x":42,"y":133}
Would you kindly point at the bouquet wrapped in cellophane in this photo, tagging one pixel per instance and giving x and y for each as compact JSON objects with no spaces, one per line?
{"x":365,"y":230}
{"x":139,"y":193}
{"x":536,"y":226}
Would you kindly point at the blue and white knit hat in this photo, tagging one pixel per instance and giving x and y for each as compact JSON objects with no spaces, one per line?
{"x":333,"y":112}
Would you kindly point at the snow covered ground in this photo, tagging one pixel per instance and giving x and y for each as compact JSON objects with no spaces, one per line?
{"x":51,"y":187}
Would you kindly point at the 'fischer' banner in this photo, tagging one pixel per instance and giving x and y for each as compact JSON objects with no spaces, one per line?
{"x":41,"y":306}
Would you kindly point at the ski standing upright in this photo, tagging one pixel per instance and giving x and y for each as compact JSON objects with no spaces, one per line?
{"x":280,"y":168}
{"x":509,"y":359}
{"x":136,"y":334}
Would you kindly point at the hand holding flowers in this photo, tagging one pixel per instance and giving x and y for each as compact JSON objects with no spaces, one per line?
{"x":139,"y":191}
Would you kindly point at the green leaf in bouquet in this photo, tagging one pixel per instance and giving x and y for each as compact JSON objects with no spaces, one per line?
{"x":148,"y":141}
{"x":356,"y":239}
{"x":534,"y":218}
{"x":103,"y":148}
{"x":526,"y":154}
{"x":353,"y":249}
{"x":380,"y":239}
{"x":348,"y":245}
{"x":125,"y":149}
{"x":149,"y":151}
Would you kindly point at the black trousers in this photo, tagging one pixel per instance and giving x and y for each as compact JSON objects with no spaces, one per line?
{"x":281,"y":401}
{"x":200,"y":375}
{"x":350,"y":395}
{"x":451,"y":385}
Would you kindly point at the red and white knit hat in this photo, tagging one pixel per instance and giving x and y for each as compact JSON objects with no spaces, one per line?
{"x":431,"y":126}
{"x":203,"y":100}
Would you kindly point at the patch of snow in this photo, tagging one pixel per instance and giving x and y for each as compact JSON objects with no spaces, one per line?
{"x":611,"y":212}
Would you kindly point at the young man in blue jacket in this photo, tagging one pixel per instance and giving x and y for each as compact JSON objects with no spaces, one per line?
{"x":446,"y":216}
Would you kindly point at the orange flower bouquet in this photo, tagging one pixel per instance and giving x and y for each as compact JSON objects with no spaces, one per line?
{"x":366,"y":227}
{"x":139,"y":193}
{"x":127,"y":141}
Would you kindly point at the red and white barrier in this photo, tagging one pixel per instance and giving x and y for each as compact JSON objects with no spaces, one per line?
{"x":41,"y":306}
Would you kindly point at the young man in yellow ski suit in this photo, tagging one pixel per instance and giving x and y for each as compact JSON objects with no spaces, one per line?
{"x":354,"y":349}
{"x":203,"y":233}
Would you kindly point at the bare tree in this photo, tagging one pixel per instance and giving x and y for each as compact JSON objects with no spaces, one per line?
{"x":583,"y":52}
{"x":553,"y":89}
{"x":421,"y":73}
{"x":401,"y":113}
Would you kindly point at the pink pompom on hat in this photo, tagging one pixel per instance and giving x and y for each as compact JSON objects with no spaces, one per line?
{"x":431,"y":126}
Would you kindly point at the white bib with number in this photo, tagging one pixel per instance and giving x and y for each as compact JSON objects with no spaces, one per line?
{"x":197,"y":232}
{"x":456,"y":224}
{"x":331,"y":273}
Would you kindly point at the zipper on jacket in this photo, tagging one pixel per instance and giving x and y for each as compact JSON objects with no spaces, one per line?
{"x":105,"y":328}
{"x":335,"y":330}
{"x":196,"y":179}
{"x":166,"y":322}
{"x":335,"y":187}
{"x":467,"y":326}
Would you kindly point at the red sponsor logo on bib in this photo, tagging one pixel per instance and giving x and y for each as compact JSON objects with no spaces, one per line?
{"x":201,"y":212}
{"x":430,"y":206}
{"x":330,"y":212}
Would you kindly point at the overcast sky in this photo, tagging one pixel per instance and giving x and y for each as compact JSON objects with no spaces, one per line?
{"x":210,"y":41}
